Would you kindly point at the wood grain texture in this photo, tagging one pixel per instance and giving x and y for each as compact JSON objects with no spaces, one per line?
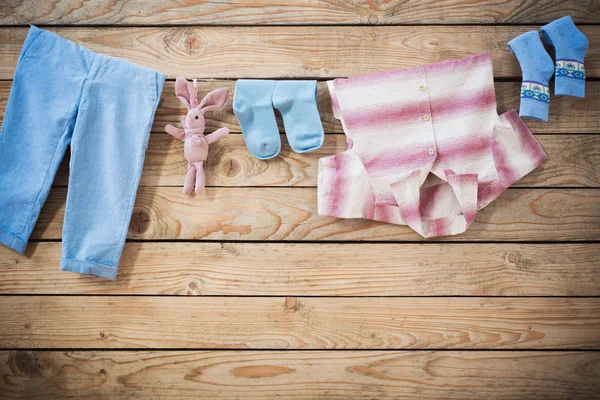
{"x":567,"y":115}
{"x":286,"y":52}
{"x":263,"y":375}
{"x":572,"y":161}
{"x":291,"y":214}
{"x":302,"y":12}
{"x":292,"y":269}
{"x":297,"y":287}
{"x":309,"y":323}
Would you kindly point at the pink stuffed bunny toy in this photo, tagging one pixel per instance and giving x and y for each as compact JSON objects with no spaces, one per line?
{"x":196,"y":144}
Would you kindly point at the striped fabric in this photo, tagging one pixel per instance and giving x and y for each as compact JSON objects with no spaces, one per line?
{"x":426,"y":147}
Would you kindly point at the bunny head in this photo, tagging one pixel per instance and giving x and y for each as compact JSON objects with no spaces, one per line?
{"x":187,"y":93}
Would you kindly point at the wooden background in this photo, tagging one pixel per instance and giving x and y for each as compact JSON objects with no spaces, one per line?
{"x":245,"y":292}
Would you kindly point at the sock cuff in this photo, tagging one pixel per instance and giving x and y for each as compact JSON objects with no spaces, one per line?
{"x":568,"y":86}
{"x":254,"y":92}
{"x":570,"y":78}
{"x":302,"y":90}
{"x":535,"y":100}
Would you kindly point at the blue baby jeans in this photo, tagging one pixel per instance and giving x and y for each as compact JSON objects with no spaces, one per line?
{"x":64,"y":94}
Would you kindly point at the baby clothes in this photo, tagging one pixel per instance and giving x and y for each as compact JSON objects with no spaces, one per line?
{"x":253,"y":107}
{"x":537,"y":68}
{"x":426,"y":147}
{"x":570,"y":45}
{"x":297,"y":103}
{"x":253,"y":104}
{"x":64,"y":94}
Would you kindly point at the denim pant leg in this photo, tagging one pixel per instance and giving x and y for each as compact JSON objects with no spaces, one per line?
{"x":107,"y":153}
{"x":36,"y":129}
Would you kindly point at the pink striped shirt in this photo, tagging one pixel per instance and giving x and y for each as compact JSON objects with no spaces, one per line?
{"x":426,"y":147}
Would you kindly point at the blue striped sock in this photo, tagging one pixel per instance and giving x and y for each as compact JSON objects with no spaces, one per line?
{"x":537,"y":68}
{"x":570,"y":45}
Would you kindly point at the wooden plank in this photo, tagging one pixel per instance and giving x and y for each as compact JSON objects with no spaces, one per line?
{"x":285,"y":52}
{"x":568,"y":115}
{"x":291,"y":269}
{"x":291,"y":214}
{"x":299,"y":323}
{"x":572,"y":161}
{"x":339,"y":375}
{"x":302,"y":12}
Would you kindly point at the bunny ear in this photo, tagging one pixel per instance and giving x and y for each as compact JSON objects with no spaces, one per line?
{"x":214,"y":100}
{"x":183,"y":91}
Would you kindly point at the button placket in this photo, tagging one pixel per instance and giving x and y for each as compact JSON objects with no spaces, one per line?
{"x":426,"y":117}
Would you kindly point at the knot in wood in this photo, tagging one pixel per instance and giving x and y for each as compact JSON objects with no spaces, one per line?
{"x":140,"y":222}
{"x":191,"y":43}
{"x":26,"y":363}
{"x":291,"y":302}
{"x":230,"y":167}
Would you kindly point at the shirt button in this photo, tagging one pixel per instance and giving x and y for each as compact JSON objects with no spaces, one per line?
{"x":425,"y":117}
{"x":430,"y":152}
{"x":422,"y":88}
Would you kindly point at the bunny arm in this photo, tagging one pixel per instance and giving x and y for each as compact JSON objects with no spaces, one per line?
{"x":216,"y":135}
{"x":175,"y":132}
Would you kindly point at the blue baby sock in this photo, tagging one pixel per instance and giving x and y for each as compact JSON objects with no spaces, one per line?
{"x":253,"y":107}
{"x":537,"y":68}
{"x":570,"y":45}
{"x":297,"y":103}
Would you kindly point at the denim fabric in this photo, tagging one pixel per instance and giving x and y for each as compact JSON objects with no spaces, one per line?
{"x":64,"y":94}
